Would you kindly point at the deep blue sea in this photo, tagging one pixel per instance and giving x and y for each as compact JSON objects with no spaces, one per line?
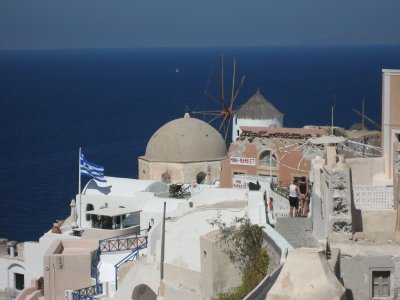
{"x":110,"y":102}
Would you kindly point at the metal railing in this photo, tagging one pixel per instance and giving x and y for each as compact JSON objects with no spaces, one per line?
{"x":132,"y":256}
{"x":283,"y":191}
{"x":114,"y":244}
{"x":122,"y":242}
{"x":88,"y":293}
{"x":95,"y":262}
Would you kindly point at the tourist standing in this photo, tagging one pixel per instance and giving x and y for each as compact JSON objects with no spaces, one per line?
{"x":303,"y":189}
{"x":293,"y":199}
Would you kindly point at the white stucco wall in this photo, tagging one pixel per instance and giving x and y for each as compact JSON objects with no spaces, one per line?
{"x":256,"y":208}
{"x":141,"y":273}
{"x":182,"y":241}
{"x":365,"y":170}
{"x":210,"y":196}
{"x":154,"y":208}
{"x":107,"y":263}
{"x":9,"y":266}
{"x":34,"y":252}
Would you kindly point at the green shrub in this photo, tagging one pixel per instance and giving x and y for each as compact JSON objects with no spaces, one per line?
{"x":242,"y":242}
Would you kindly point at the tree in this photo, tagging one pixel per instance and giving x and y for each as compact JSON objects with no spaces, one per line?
{"x":242,"y":242}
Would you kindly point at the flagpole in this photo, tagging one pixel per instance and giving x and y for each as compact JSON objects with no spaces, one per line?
{"x":79,"y":189}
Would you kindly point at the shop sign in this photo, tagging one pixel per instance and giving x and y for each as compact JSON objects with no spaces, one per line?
{"x":239,"y":183}
{"x":244,"y":161}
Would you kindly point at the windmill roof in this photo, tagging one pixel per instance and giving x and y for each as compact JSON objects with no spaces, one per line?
{"x":258,"y":108}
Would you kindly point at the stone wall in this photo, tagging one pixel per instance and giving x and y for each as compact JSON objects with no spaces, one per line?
{"x":337,"y":198}
{"x":357,"y":274}
{"x":396,"y":182}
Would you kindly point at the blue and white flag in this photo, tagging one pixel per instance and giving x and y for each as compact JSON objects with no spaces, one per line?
{"x":92,"y":170}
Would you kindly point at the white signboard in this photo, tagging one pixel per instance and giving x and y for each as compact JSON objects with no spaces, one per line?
{"x":239,"y":183}
{"x":244,"y":161}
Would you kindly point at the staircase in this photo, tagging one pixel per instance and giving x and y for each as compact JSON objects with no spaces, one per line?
{"x":120,"y":243}
{"x":297,"y":231}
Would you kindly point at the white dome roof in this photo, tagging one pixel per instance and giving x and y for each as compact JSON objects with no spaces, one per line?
{"x":186,"y":140}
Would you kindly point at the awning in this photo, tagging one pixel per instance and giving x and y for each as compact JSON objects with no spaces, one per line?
{"x":112,"y":211}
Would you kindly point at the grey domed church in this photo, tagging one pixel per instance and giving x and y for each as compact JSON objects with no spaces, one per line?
{"x":185,"y":150}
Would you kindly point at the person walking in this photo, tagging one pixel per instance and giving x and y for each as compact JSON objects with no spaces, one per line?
{"x":293,"y":199}
{"x":303,"y":190}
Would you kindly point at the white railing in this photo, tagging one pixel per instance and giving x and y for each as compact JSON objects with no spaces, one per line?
{"x":282,"y":247}
{"x":370,"y":197}
{"x":261,"y":290}
{"x":281,"y":205}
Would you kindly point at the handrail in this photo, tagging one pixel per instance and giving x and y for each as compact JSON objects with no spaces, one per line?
{"x":284,"y":192}
{"x":95,"y":262}
{"x":132,"y":256}
{"x":124,"y":235}
{"x":122,"y":244}
{"x":115,"y":244}
{"x":88,"y":293}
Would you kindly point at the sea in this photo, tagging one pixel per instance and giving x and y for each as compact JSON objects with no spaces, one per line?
{"x":109,"y":102}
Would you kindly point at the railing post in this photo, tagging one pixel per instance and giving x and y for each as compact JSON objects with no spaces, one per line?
{"x":116,"y":278}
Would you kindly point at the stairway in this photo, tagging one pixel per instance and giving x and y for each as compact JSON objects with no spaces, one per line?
{"x":297,"y":231}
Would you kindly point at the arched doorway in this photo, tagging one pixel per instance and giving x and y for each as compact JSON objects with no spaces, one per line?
{"x":166,"y":177}
{"x":143,"y":292}
{"x":89,"y":207}
{"x":200,"y":177}
{"x":267,"y":159}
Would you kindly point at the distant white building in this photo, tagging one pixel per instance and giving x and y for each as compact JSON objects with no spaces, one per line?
{"x":256,"y":112}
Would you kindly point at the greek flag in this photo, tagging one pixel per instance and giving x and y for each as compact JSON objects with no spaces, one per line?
{"x":92,"y":170}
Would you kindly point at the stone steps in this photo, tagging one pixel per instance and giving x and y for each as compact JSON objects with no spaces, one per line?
{"x":297,"y":231}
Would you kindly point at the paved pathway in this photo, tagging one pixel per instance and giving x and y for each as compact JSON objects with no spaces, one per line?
{"x":297,"y":231}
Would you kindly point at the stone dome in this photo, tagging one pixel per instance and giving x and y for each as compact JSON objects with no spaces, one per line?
{"x":186,"y":140}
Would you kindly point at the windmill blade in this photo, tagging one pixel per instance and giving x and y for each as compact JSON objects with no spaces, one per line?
{"x":237,"y":108}
{"x":233,"y":78}
{"x":237,"y":91}
{"x":208,"y":112}
{"x":213,"y":119}
{"x":223,"y":122}
{"x":227,"y":130}
{"x":213,"y":98}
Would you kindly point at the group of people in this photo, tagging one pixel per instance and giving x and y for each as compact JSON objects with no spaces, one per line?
{"x":299,"y":197}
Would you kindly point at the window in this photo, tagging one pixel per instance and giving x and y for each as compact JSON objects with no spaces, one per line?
{"x":19,"y":281}
{"x":89,"y":207}
{"x":201,"y":177}
{"x":165,"y":177}
{"x":267,"y":159}
{"x":380,"y":283}
{"x":239,"y":173}
{"x":131,"y":220}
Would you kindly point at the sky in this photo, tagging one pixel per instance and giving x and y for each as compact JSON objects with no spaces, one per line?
{"x":28,"y":24}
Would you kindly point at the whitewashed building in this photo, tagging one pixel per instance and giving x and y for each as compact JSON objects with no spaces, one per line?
{"x":256,"y":112}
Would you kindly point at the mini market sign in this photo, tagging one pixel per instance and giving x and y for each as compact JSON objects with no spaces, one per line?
{"x":244,"y":161}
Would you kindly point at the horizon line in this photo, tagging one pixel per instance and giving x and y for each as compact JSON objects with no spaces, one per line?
{"x":203,"y":46}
